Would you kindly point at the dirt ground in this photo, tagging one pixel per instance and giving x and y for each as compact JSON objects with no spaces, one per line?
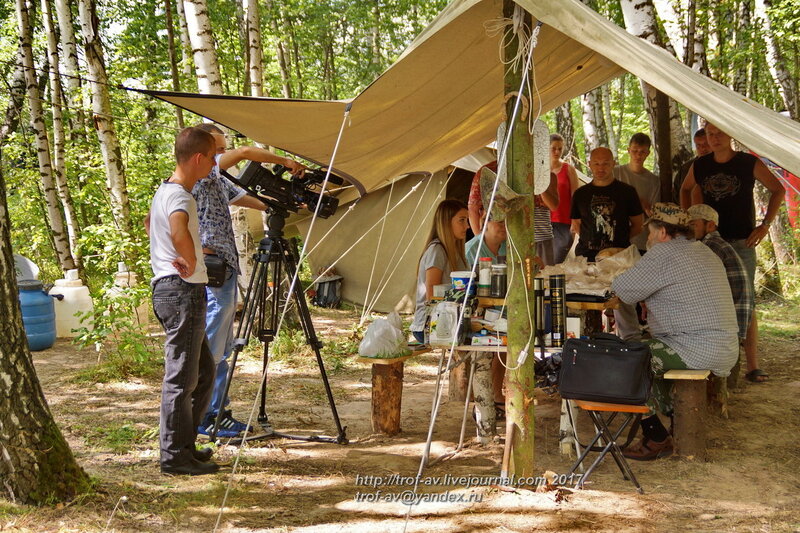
{"x":750,"y":481}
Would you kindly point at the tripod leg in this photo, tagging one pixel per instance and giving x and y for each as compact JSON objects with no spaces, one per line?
{"x":311,"y":335}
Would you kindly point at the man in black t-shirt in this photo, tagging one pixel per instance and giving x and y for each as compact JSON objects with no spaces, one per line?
{"x":606,"y":212}
{"x":724,"y":179}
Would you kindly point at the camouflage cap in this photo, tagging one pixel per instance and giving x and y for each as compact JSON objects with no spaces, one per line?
{"x":669,"y":213}
{"x":703,"y":212}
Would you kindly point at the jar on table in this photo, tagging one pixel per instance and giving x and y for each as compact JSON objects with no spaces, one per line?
{"x":484,"y":276}
{"x":499,"y":281}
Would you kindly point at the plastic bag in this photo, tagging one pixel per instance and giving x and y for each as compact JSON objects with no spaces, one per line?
{"x":384,"y":339}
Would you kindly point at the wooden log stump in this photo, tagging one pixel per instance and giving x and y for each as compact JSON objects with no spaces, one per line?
{"x":459,"y":377}
{"x":717,"y":393}
{"x":387,"y":396}
{"x":691,"y":413}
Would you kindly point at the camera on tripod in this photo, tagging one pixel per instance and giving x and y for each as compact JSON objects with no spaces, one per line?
{"x":291,"y":194}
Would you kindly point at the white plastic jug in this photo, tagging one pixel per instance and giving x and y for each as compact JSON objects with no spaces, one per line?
{"x":76,"y":300}
{"x":123,"y":280}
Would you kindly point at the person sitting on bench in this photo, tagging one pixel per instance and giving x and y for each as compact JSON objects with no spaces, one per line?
{"x":690,"y":313}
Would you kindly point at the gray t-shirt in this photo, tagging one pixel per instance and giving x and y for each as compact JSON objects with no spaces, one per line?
{"x":647,"y":186}
{"x":435,"y":256}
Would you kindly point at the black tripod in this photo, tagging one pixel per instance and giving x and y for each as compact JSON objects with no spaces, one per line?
{"x":261,"y":314}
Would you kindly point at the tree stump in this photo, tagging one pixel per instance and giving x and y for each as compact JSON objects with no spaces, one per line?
{"x":691,"y":413}
{"x":459,"y":377}
{"x":387,"y":396}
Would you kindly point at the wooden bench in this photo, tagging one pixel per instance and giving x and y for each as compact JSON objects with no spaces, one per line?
{"x":694,"y":392}
{"x":387,"y":391}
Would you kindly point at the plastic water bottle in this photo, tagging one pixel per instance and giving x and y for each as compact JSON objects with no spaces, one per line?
{"x":76,"y":300}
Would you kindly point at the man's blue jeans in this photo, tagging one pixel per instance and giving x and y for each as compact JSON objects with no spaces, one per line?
{"x":188,"y":366}
{"x":219,"y":328}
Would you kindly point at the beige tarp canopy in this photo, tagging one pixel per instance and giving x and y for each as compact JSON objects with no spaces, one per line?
{"x":443,"y":100}
{"x":443,"y":97}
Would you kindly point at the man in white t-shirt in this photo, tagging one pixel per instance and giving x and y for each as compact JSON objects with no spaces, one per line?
{"x":179,"y":303}
{"x":647,"y":184}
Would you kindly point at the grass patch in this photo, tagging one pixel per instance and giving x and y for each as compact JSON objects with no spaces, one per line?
{"x":779,"y":319}
{"x":119,"y":439}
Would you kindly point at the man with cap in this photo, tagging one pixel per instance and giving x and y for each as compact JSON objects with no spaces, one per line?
{"x":691,"y":317}
{"x":704,"y":220}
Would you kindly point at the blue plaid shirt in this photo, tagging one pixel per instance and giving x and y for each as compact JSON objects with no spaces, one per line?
{"x":213,"y":195}
{"x":741,"y":290}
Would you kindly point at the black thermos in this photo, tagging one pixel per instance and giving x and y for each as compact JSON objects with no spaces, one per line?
{"x":558,"y":311}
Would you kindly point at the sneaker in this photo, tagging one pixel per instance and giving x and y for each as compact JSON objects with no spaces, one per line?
{"x":226,"y":430}
{"x":230,"y":422}
{"x":648,"y":450}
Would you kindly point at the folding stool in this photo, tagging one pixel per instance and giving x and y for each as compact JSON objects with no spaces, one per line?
{"x":595,"y":410}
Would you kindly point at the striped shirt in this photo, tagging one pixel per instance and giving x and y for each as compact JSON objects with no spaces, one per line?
{"x":741,"y":290}
{"x":689,"y":303}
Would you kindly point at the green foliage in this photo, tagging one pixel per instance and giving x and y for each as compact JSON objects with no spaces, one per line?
{"x":126,"y":348}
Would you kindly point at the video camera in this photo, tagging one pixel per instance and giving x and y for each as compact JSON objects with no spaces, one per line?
{"x":287,"y":194}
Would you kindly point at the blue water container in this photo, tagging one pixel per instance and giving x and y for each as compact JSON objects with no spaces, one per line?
{"x":38,"y":315}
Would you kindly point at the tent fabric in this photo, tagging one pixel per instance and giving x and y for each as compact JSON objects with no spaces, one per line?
{"x":397,"y":259}
{"x":443,"y":98}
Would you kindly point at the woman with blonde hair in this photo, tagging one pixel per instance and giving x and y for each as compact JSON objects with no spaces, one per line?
{"x":444,"y":253}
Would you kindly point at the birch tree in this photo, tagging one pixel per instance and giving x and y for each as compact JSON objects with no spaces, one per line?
{"x":59,"y":168}
{"x":778,"y":67}
{"x":203,"y":51}
{"x":256,"y":56}
{"x":640,"y":20}
{"x":186,"y":43}
{"x":594,"y":127}
{"x":280,"y":51}
{"x":42,"y":142}
{"x":103,"y":119}
{"x":69,"y":54}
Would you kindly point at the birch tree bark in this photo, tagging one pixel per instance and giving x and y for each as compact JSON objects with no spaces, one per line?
{"x":613,"y":141}
{"x":186,"y":44}
{"x":256,"y":57}
{"x":16,"y":99}
{"x":741,"y":38}
{"x":46,"y":171}
{"x":69,"y":53}
{"x":103,"y":120}
{"x":202,"y":39}
{"x":59,"y":167}
{"x":594,"y":128}
{"x":565,"y":127}
{"x":640,"y":20}
{"x":673,"y":25}
{"x":778,"y":67}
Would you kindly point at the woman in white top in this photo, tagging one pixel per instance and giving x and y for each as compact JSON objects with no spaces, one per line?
{"x":443,"y":254}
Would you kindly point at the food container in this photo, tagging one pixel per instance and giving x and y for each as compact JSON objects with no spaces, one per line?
{"x":461,"y":280}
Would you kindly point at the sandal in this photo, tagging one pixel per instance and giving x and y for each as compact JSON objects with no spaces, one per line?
{"x":756,"y":376}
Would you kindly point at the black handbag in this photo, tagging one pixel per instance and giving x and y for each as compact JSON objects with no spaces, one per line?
{"x":606,"y":369}
{"x":215,"y":268}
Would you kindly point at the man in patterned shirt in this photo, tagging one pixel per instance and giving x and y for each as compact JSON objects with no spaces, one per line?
{"x":690,"y":312}
{"x":704,"y":220}
{"x":213,"y":195}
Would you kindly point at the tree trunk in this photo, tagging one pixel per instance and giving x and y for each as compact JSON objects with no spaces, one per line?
{"x":202,"y":39}
{"x":375,"y":44}
{"x":519,"y":382}
{"x":770,"y":258}
{"x":778,"y":68}
{"x":640,"y":21}
{"x":241,"y":25}
{"x":186,"y":44}
{"x":295,"y":55}
{"x":173,"y":58}
{"x":280,"y":51}
{"x":741,"y":42}
{"x":671,"y":21}
{"x":69,"y":53}
{"x":565,"y":127}
{"x":73,"y":225}
{"x":36,"y":464}
{"x":256,"y":56}
{"x":39,"y":128}
{"x":613,"y":141}
{"x":103,"y":120}
{"x":16,"y":99}
{"x":594,"y":128}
